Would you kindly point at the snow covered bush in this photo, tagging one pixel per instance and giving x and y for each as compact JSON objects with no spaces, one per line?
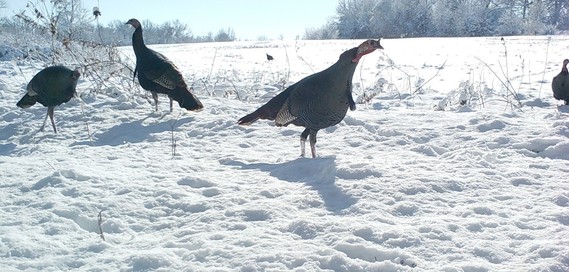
{"x":53,"y":33}
{"x":9,"y":53}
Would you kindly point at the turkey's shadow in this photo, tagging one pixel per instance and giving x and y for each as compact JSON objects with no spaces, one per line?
{"x":318,"y":173}
{"x":132,"y":132}
{"x":6,"y":149}
{"x":564,"y":108}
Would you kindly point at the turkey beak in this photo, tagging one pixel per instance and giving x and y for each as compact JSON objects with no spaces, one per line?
{"x":370,"y":46}
{"x":366,"y":48}
{"x":376,"y":44}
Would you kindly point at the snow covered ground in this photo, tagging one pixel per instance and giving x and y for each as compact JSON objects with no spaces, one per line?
{"x":410,"y":181}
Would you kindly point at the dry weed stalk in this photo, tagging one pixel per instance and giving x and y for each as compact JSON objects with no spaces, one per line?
{"x":100,"y":223}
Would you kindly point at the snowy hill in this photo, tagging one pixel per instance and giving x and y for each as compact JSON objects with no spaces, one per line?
{"x":410,"y":181}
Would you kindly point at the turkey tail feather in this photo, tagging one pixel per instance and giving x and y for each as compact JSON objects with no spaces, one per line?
{"x":26,"y":101}
{"x":249,"y":118}
{"x":186,"y":99}
{"x":268,"y":111}
{"x":264,"y":112}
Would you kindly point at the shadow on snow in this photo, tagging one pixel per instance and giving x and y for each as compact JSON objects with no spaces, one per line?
{"x":318,"y":173}
{"x":132,"y":132}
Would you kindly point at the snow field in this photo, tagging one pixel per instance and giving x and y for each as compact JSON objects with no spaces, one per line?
{"x":404,"y":183}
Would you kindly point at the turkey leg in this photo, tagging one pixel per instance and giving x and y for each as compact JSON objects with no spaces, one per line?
{"x":44,"y":120}
{"x":313,"y":142}
{"x":303,"y":137}
{"x":50,"y":114}
{"x":155,"y":97}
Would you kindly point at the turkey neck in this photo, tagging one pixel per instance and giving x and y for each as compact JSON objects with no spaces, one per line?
{"x":138,"y":42}
{"x":343,"y":70}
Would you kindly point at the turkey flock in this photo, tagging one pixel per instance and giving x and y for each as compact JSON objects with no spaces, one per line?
{"x":315,"y":102}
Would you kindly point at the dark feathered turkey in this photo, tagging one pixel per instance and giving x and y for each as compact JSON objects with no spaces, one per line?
{"x":50,"y":87}
{"x":157,"y":74}
{"x":560,"y":84}
{"x":318,"y":101}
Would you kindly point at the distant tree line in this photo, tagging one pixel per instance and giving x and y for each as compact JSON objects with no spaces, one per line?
{"x":443,"y":18}
{"x":168,"y":32}
{"x":69,"y":20}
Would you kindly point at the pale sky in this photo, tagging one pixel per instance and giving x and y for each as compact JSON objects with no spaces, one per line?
{"x":248,"y":18}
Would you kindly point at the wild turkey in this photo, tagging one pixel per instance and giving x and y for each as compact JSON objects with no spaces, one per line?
{"x":269,"y":57}
{"x":560,"y":84}
{"x":157,"y":74}
{"x":50,"y":87}
{"x":318,"y":101}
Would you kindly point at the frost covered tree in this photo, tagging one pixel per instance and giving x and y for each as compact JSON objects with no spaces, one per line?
{"x":57,"y":20}
{"x":559,"y":13}
{"x":402,"y":18}
{"x":417,"y":18}
{"x":536,"y":19}
{"x":225,"y":35}
{"x":355,"y":18}
{"x":325,"y":32}
{"x":53,"y":21}
{"x":530,"y":17}
{"x":175,"y":30}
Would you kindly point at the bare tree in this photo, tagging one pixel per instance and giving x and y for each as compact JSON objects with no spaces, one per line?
{"x":328,"y":31}
{"x":559,"y":13}
{"x":225,"y":35}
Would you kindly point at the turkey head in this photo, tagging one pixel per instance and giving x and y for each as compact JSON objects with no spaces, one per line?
{"x":366,"y":48}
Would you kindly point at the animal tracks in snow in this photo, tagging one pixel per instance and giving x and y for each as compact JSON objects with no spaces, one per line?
{"x":398,"y":187}
{"x":208,"y":188}
{"x":86,"y":223}
{"x":58,"y":178}
{"x":196,"y":183}
{"x":373,"y":254}
{"x":250,"y":215}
